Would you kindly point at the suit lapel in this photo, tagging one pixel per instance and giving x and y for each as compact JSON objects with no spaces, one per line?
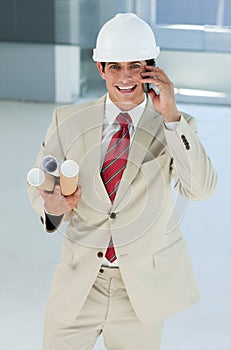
{"x":92,"y":139}
{"x":93,"y":126}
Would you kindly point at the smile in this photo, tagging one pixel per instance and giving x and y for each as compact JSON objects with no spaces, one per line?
{"x":126,"y":88}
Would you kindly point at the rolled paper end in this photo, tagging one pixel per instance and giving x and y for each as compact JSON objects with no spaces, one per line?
{"x":51,"y":165}
{"x":69,"y":168}
{"x":69,"y":177}
{"x":36,"y":177}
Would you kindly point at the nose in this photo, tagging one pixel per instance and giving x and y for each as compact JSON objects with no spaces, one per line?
{"x":125,"y":74}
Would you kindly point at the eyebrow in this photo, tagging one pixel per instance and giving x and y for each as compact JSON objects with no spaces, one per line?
{"x":121,"y":62}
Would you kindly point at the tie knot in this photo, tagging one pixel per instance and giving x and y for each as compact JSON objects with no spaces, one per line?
{"x":124,"y":119}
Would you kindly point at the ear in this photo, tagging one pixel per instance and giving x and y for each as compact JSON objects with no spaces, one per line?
{"x":100,"y":69}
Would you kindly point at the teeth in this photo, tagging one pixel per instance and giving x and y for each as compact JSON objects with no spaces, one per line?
{"x":126,"y":87}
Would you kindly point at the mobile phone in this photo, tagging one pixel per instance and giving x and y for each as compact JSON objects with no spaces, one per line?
{"x":147,"y":85}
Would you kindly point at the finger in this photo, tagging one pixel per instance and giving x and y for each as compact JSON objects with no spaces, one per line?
{"x":154,"y":81}
{"x":43,"y":193}
{"x":152,"y":93}
{"x":74,"y":198}
{"x":150,"y":77}
{"x":57,"y":190}
{"x":78,"y":192}
{"x":153,"y":78}
{"x":158,"y":74}
{"x":71,"y":203}
{"x":154,"y":69}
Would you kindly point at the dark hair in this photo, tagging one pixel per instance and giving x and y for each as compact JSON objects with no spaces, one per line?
{"x":150,"y":62}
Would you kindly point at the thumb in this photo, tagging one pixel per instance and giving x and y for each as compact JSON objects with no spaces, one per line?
{"x":152,"y":93}
{"x":57,"y":189}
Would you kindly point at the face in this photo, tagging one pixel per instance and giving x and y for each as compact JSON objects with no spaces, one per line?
{"x":123,"y":82}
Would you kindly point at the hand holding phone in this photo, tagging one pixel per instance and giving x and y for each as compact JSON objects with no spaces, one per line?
{"x":161,"y":92}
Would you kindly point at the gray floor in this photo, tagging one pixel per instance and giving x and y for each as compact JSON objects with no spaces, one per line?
{"x":28,"y":255}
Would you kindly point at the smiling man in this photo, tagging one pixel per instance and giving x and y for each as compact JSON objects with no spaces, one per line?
{"x":124,"y":267}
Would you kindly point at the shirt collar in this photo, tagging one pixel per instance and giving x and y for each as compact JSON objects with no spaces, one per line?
{"x":111,"y":111}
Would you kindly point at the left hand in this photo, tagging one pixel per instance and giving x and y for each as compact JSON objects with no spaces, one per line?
{"x":56,"y":204}
{"x":164,"y":102}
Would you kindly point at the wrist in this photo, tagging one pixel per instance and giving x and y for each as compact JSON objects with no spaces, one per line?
{"x":48,"y":212}
{"x":172,"y":118}
{"x":51,"y":211}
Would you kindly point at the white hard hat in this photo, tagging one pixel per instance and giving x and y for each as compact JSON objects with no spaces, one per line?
{"x":125,"y":38}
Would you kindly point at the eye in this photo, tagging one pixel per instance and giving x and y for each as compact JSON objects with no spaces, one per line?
{"x":135,"y":65}
{"x":114,"y":66}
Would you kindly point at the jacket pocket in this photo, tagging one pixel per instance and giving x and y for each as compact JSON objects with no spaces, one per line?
{"x":155,"y":161}
{"x":173,"y":274}
{"x":155,"y":167}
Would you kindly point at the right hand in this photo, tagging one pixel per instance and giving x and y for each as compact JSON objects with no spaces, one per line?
{"x":56,"y":204}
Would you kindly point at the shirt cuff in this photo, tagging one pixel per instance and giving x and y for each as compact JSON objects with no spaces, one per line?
{"x":171,"y":125}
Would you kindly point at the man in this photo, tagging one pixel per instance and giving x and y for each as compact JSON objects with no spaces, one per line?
{"x":124,"y":267}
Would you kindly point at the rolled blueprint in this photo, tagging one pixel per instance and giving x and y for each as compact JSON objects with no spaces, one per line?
{"x":38,"y":178}
{"x":51,"y":165}
{"x":69,"y":177}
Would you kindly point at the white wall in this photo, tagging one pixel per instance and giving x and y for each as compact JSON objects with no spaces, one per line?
{"x":205,"y":71}
{"x":198,"y":70}
{"x":67,"y":73}
{"x":39,"y":72}
{"x":26,"y":72}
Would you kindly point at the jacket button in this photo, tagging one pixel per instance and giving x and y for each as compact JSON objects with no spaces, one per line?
{"x":187,"y":146}
{"x":183,"y":138}
{"x":113,"y":215}
{"x":100,"y":254}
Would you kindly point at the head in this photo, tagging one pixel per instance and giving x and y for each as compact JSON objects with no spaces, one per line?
{"x":125,"y":45}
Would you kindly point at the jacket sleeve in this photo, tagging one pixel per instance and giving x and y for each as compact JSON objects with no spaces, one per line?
{"x":195,"y":177}
{"x":50,"y":146}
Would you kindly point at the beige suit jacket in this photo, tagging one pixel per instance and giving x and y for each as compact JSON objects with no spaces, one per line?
{"x":150,"y":249}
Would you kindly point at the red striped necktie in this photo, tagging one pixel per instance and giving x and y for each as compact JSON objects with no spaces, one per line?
{"x":114,"y":164}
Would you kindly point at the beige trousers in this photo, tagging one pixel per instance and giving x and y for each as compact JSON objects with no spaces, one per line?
{"x":107,"y":310}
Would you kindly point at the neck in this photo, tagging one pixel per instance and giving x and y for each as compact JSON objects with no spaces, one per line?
{"x":127,"y":106}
